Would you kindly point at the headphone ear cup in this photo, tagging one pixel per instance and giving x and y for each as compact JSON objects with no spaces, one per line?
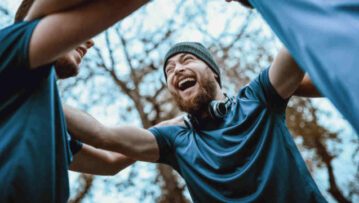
{"x":218,"y":109}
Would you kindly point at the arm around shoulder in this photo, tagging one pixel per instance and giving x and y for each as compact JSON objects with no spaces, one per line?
{"x":60,"y":32}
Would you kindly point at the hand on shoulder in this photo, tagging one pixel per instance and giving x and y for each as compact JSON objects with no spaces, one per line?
{"x":179,"y":121}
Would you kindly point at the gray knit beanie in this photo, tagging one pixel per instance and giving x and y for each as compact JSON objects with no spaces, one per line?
{"x":196,"y":49}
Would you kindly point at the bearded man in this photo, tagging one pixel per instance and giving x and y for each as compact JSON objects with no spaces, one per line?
{"x":35,"y":148}
{"x":233,"y":149}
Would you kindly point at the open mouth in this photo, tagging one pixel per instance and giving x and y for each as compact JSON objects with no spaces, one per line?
{"x":186,"y":83}
{"x":81,"y":51}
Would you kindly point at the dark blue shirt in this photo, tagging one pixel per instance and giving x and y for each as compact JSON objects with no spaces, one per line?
{"x":322,"y":36}
{"x":249,"y":156}
{"x":34,"y":145}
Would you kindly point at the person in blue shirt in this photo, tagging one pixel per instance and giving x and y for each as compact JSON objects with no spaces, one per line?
{"x":48,"y":41}
{"x":322,"y":37}
{"x":232,"y":148}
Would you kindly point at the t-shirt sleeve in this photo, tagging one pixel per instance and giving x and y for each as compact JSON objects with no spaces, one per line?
{"x":14,"y":49}
{"x":165,"y":140}
{"x":262,"y":90}
{"x":75,"y":145}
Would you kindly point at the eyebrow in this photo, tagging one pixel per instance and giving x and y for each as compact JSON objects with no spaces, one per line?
{"x":182,"y":55}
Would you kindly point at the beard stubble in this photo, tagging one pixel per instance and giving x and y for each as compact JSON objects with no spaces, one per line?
{"x":199,"y":103}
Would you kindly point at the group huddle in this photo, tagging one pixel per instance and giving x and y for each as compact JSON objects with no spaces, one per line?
{"x":228,"y":148}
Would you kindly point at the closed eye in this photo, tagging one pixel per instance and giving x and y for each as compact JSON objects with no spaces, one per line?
{"x":188,"y":59}
{"x":169,"y":70}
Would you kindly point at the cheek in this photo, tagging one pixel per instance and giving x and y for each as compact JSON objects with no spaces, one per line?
{"x":69,"y":58}
{"x":75,"y":57}
{"x":170,"y":83}
{"x":171,"y":89}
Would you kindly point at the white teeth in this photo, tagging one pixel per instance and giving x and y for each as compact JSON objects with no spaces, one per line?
{"x":185,"y":80}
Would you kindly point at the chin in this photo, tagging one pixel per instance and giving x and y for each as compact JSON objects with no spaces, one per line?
{"x":66,"y":68}
{"x":193,"y":104}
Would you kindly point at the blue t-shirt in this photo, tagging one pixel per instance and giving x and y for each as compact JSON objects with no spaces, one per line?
{"x":35,"y":148}
{"x":322,"y":36}
{"x":249,"y":156}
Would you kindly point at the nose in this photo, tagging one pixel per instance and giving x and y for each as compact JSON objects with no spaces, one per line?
{"x":179,"y":69}
{"x":89,"y":43}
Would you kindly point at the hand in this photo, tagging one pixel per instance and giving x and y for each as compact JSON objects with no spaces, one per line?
{"x":179,"y":120}
{"x":243,"y":2}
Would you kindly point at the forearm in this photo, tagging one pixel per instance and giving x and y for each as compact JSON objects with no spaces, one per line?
{"x":42,"y":8}
{"x":83,"y":126}
{"x":133,"y":142}
{"x":99,"y":162}
{"x":307,"y":88}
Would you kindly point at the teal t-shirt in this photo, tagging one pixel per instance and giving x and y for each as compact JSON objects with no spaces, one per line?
{"x":322,"y":36}
{"x":249,"y":156}
{"x":35,"y":148}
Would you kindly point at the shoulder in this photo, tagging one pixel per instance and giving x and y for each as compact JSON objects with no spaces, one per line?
{"x":15,"y":40}
{"x":167,"y":132}
{"x":261,"y":90}
{"x":16,"y":29}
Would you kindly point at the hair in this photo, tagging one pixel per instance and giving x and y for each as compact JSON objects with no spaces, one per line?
{"x":23,"y":10}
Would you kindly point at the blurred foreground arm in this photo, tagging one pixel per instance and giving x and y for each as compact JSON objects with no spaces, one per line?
{"x":71,"y":24}
{"x":41,"y":8}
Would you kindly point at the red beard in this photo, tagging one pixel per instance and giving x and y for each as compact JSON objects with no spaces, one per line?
{"x":199,"y":103}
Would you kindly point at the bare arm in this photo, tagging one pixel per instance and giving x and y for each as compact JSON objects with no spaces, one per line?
{"x":307,"y":88}
{"x":134,"y":142}
{"x":284,"y":74}
{"x":60,"y":32}
{"x":99,"y":162}
{"x":41,"y":8}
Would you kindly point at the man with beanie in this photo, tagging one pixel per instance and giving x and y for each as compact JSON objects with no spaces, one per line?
{"x":48,"y":41}
{"x":322,"y":37}
{"x":232,"y":148}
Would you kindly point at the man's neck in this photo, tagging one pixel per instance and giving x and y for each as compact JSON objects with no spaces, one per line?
{"x":221,"y":96}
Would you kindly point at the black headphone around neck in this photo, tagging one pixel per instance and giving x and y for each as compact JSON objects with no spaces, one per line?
{"x":217,"y":109}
